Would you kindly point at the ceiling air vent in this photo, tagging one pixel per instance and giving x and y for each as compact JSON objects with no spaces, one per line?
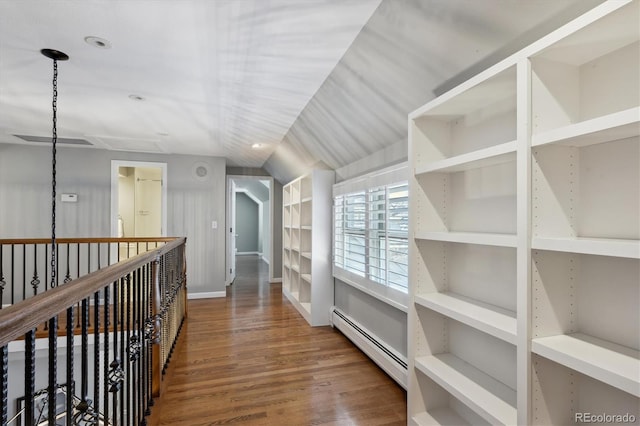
{"x":47,"y":139}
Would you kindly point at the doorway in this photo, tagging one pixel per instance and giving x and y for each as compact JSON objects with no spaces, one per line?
{"x":257,"y":191}
{"x":138,"y":199}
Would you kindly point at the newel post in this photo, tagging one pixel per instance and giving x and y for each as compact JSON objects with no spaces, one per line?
{"x":183,"y":249}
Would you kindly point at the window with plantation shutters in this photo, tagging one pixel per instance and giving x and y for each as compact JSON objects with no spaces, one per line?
{"x":371,"y":233}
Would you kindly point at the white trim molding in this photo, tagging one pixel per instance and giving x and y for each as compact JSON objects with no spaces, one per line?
{"x":206,"y":295}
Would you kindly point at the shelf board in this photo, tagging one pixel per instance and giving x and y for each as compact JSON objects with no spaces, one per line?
{"x":490,"y":319}
{"x":306,"y":199}
{"x":306,"y":227}
{"x":489,"y":398}
{"x":491,"y":156}
{"x":616,"y":365}
{"x":595,"y":246}
{"x":490,"y":86}
{"x":306,"y":254}
{"x":500,"y":240}
{"x":295,"y":268}
{"x":306,"y":277}
{"x":611,"y":127}
{"x":439,"y":416}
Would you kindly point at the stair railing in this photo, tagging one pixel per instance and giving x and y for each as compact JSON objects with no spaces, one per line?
{"x":109,"y":338}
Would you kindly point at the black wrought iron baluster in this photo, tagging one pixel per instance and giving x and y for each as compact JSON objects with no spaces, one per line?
{"x":12,"y":269}
{"x":78,"y":276}
{"x":46,"y":257}
{"x":70,"y":382}
{"x":29,"y":377}
{"x":67,"y":276}
{"x":114,"y":386}
{"x":83,"y":405}
{"x":163,"y":311}
{"x":138,"y":316}
{"x":53,"y":369}
{"x":123,"y":341}
{"x":35,"y":282}
{"x":4,"y":383}
{"x":128,"y":364}
{"x":148,"y":332}
{"x":105,"y":401}
{"x":134,"y":347}
{"x":24,"y":271}
{"x":96,"y":352}
{"x":56,"y":279}
{"x":89,"y":271}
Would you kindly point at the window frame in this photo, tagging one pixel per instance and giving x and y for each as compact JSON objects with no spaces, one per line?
{"x":370,"y":187}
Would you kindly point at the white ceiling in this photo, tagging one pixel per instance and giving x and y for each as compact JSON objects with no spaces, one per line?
{"x":318,"y":81}
{"x":217,"y":75}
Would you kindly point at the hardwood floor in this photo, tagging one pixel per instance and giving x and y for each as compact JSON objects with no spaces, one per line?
{"x":251,"y":359}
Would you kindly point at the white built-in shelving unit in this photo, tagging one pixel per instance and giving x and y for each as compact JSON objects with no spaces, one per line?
{"x":307,"y":279}
{"x":525,"y":218}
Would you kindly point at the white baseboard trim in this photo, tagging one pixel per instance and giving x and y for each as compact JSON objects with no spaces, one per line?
{"x":393,"y":363}
{"x":206,"y":295}
{"x":248,"y":253}
{"x":264,"y":259}
{"x":275,"y":280}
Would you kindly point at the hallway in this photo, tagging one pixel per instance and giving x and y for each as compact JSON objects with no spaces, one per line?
{"x":251,"y":359}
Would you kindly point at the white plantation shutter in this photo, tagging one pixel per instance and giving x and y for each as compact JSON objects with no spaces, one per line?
{"x":371,"y":222}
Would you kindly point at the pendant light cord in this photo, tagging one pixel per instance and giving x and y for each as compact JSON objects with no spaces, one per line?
{"x":54,"y":141}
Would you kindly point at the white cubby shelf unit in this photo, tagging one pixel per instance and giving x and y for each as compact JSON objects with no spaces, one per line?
{"x":525,"y":224}
{"x":306,"y":244}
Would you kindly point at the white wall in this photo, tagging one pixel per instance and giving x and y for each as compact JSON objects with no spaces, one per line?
{"x":265,"y":235}
{"x":247,"y":224}
{"x":276,"y":267}
{"x":192,"y":204}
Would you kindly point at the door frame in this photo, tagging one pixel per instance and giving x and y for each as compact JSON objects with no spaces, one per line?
{"x":231,"y":201}
{"x":115,"y":165}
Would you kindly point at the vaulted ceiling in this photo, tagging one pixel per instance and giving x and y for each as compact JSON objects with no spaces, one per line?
{"x":314,"y":81}
{"x":216,"y":76}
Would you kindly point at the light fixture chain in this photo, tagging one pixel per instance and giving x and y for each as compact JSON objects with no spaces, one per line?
{"x":54,"y":141}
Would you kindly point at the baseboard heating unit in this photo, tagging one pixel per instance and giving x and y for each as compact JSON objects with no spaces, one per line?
{"x":394,"y":364}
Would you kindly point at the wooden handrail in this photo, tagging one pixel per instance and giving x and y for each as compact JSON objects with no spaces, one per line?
{"x":18,"y":319}
{"x":88,"y":240}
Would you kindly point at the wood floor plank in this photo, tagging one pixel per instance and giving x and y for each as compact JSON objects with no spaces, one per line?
{"x":251,"y":359}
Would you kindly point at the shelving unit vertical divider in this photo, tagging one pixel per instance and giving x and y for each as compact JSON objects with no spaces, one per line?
{"x":523,"y":248}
